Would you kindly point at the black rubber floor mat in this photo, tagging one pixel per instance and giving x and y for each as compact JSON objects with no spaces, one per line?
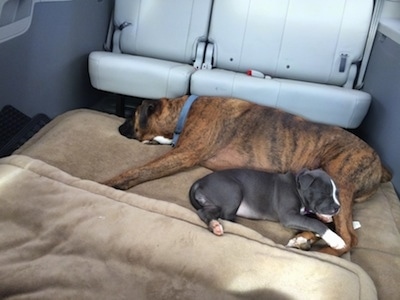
{"x":11,"y":122}
{"x":16,"y":128}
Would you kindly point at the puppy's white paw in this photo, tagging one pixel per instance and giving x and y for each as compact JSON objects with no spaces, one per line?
{"x":216,"y":227}
{"x":299,"y":242}
{"x":333,"y":240}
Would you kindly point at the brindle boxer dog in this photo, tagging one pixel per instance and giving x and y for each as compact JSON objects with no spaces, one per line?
{"x":223,"y":133}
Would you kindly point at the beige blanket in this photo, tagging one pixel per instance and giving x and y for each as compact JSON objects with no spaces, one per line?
{"x":76,"y":237}
{"x":63,"y":237}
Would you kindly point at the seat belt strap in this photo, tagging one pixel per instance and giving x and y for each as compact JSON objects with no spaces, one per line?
{"x":108,"y":43}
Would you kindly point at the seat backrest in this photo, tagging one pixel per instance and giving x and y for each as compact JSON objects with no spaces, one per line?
{"x":164,"y":29}
{"x":309,"y":40}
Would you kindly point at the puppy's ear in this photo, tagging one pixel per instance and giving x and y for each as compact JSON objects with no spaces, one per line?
{"x":304,"y":179}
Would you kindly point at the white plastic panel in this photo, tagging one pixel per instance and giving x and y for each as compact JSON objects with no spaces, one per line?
{"x":16,"y":17}
{"x":248,"y":34}
{"x":302,"y":40}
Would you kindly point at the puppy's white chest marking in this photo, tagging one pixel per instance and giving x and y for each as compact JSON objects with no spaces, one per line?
{"x":246,"y":211}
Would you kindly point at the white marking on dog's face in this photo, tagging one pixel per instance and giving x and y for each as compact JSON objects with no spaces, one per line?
{"x":334,"y":193}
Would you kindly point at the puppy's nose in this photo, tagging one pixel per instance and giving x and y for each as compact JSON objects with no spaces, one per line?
{"x":335,"y":209}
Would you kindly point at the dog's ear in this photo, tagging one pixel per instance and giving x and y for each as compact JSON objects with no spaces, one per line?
{"x":304,"y":179}
{"x":147,"y":108}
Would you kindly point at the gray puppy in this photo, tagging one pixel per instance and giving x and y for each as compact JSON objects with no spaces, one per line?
{"x":260,"y":195}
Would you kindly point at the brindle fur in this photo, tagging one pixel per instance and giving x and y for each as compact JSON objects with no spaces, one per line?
{"x":225,"y":133}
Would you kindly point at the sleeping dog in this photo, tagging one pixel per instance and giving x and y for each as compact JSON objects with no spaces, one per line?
{"x":222,"y":133}
{"x":269,"y":196}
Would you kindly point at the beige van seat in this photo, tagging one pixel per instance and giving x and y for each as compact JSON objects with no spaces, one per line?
{"x":306,"y":51}
{"x":155,"y":47}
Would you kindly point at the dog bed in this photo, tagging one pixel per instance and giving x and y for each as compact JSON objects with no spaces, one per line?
{"x":63,"y":235}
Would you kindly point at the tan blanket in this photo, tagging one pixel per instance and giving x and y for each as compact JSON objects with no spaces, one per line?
{"x":63,"y":237}
{"x":86,"y":144}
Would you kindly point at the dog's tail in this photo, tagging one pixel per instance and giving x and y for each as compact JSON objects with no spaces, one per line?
{"x":386,"y":175}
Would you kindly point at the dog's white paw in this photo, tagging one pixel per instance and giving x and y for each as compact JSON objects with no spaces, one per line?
{"x":162,"y":140}
{"x":158,"y":140}
{"x":333,"y":240}
{"x":216,"y":227}
{"x":299,"y":242}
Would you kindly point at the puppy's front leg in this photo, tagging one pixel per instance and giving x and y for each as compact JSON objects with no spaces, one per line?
{"x":172,"y":162}
{"x":305,"y":223}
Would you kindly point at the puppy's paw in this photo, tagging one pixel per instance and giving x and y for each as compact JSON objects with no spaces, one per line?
{"x":299,"y":242}
{"x":216,"y":227}
{"x":333,"y":240}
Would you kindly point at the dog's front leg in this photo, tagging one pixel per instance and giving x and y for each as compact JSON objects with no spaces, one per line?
{"x":344,"y":224}
{"x":172,"y":162}
{"x":303,"y":240}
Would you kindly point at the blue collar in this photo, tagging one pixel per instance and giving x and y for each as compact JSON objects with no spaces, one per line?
{"x":182,"y":118}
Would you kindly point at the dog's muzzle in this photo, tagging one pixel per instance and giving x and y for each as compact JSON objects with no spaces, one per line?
{"x":328,"y":217}
{"x":126,"y":129}
{"x":325,"y":218}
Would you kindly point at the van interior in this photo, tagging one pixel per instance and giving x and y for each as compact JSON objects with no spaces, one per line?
{"x":70,"y":73}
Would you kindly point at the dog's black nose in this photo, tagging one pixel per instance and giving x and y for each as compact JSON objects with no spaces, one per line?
{"x":126,"y":129}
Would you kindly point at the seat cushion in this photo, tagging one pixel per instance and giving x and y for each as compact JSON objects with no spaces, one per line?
{"x":138,"y":76}
{"x":317,"y":102}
